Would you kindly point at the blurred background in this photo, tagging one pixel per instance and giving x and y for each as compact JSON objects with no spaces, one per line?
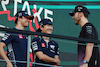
{"x":58,"y":12}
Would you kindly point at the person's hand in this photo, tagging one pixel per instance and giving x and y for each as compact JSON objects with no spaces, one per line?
{"x":57,"y":61}
{"x":84,"y":65}
{"x":9,"y":64}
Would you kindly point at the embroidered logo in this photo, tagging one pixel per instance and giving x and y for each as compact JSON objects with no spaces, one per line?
{"x":52,"y":46}
{"x":34,"y":46}
{"x":43,"y":45}
{"x":20,"y":36}
{"x":79,"y":8}
{"x":89,"y":29}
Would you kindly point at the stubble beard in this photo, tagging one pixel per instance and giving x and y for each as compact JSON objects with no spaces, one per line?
{"x":78,"y":20}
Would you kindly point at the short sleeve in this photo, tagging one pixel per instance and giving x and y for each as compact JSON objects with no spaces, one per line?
{"x":35,"y":45}
{"x":7,"y":38}
{"x":89,"y":32}
{"x":57,"y":49}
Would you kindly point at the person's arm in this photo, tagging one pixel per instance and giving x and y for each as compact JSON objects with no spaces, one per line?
{"x":46,"y":58}
{"x":36,"y":47}
{"x":88,"y":54}
{"x":57,"y":57}
{"x":57,"y":53}
{"x":3,"y":55}
{"x":90,"y":33}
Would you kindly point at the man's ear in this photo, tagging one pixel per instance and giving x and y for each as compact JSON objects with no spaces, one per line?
{"x":41,"y":27}
{"x":81,"y":14}
{"x":19,"y":18}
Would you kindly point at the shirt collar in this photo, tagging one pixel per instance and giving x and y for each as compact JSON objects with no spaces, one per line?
{"x":43,"y":39}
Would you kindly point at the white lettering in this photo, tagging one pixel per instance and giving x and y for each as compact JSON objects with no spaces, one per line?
{"x":37,"y":14}
{"x":46,"y":14}
{"x":5,"y":36}
{"x":4,"y":3}
{"x":15,"y":5}
{"x":28,"y":7}
{"x":34,"y":46}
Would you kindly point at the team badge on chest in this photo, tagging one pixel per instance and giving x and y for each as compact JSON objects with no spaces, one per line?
{"x":43,"y":45}
{"x":52,"y":46}
{"x":20,"y":36}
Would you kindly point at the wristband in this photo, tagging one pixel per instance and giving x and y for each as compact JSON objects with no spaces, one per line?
{"x":85,"y":61}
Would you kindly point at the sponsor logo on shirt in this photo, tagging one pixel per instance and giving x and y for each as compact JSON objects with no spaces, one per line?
{"x":34,"y":46}
{"x":52,"y":46}
{"x":6,"y":36}
{"x":43,"y":45}
{"x":89,"y":29}
{"x":20,"y":36}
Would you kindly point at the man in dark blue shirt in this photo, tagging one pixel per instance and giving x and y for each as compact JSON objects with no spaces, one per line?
{"x":16,"y":42}
{"x":88,"y":55}
{"x":45,"y":49}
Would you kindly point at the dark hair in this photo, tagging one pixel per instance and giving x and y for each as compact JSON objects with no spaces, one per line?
{"x":86,"y":15}
{"x":17,"y":20}
{"x":39,"y":30}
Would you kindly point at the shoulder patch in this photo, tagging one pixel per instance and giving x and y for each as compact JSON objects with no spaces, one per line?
{"x":52,"y":46}
{"x":89,"y":29}
{"x":5,"y":36}
{"x":34,"y":46}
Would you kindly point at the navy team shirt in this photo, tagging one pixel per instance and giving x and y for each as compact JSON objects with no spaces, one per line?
{"x":88,"y":31}
{"x":16,"y":47}
{"x":51,"y":49}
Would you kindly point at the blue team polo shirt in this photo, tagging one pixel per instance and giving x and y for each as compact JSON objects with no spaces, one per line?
{"x":51,"y":49}
{"x":16,"y":47}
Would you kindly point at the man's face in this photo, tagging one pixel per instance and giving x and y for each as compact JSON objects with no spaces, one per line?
{"x":47,"y":29}
{"x":76,"y":17}
{"x":24,"y":21}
